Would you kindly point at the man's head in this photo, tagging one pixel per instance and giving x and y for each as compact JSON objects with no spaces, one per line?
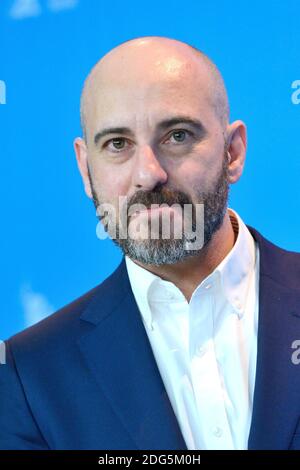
{"x":169,"y":140}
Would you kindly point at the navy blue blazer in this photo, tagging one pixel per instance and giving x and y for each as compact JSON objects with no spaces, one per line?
{"x":86,"y":377}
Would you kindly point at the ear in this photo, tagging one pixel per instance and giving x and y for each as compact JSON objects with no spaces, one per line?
{"x":237,"y":144}
{"x":81,"y":157}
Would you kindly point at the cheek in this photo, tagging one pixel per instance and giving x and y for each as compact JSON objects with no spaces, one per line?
{"x":111,"y":183}
{"x":196,"y":174}
{"x":189,"y":175}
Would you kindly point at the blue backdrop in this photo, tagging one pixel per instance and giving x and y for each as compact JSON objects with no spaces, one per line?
{"x":50,"y":252}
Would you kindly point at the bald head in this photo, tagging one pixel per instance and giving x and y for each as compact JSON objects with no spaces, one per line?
{"x":145,"y":58}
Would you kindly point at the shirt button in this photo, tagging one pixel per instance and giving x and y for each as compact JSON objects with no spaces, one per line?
{"x":208,"y":286}
{"x":217,"y":431}
{"x":169,"y":295}
{"x":201,"y":350}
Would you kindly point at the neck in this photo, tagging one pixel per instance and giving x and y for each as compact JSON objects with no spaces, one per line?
{"x":189,"y":273}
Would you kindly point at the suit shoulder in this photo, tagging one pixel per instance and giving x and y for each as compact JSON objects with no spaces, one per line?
{"x":280,"y":264}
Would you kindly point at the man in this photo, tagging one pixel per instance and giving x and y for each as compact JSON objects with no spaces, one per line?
{"x":184,"y":346}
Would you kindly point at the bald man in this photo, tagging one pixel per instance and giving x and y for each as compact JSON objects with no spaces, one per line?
{"x":192,"y":343}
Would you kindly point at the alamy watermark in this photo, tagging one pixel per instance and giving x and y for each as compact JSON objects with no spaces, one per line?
{"x":159,"y":221}
{"x":295,"y":97}
{"x":2,"y":92}
{"x":2,"y":352}
{"x":296,"y":354}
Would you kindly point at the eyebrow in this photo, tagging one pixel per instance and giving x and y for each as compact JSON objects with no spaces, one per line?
{"x":162,"y":125}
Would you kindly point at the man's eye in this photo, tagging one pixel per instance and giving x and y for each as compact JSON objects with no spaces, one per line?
{"x":119,"y":143}
{"x":115,"y":144}
{"x":180,"y":135}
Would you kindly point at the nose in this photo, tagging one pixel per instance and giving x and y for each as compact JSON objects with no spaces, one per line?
{"x":148,"y":171}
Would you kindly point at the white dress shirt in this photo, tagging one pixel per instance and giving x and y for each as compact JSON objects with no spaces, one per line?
{"x":206,"y":349}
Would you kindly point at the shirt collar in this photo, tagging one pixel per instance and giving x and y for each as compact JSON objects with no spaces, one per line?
{"x":238,"y":265}
{"x":234,"y":273}
{"x":141,"y":281}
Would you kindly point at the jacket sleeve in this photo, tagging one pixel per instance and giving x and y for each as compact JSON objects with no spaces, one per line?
{"x":18,"y":429}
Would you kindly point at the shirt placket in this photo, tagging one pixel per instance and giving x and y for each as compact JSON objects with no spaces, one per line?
{"x":213,"y":422}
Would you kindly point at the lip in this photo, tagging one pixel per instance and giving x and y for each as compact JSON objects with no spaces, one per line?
{"x":154,"y":211}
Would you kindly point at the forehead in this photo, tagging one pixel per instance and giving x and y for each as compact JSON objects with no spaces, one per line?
{"x":143,"y":95}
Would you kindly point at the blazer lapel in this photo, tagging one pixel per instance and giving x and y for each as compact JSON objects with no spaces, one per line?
{"x":276,"y":406}
{"x":119,"y":355}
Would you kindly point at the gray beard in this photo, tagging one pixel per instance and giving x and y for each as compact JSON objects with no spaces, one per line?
{"x":170,"y":251}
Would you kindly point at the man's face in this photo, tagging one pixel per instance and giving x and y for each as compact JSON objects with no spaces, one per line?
{"x":155,"y":160}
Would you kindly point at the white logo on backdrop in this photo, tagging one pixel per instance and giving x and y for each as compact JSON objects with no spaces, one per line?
{"x":21,"y":9}
{"x":35,"y":306}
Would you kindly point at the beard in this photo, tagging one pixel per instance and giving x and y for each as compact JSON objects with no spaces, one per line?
{"x":172,"y":250}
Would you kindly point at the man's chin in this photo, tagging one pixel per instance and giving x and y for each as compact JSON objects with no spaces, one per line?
{"x":158,"y":252}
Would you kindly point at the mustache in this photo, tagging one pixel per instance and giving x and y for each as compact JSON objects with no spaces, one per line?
{"x":160,"y":196}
